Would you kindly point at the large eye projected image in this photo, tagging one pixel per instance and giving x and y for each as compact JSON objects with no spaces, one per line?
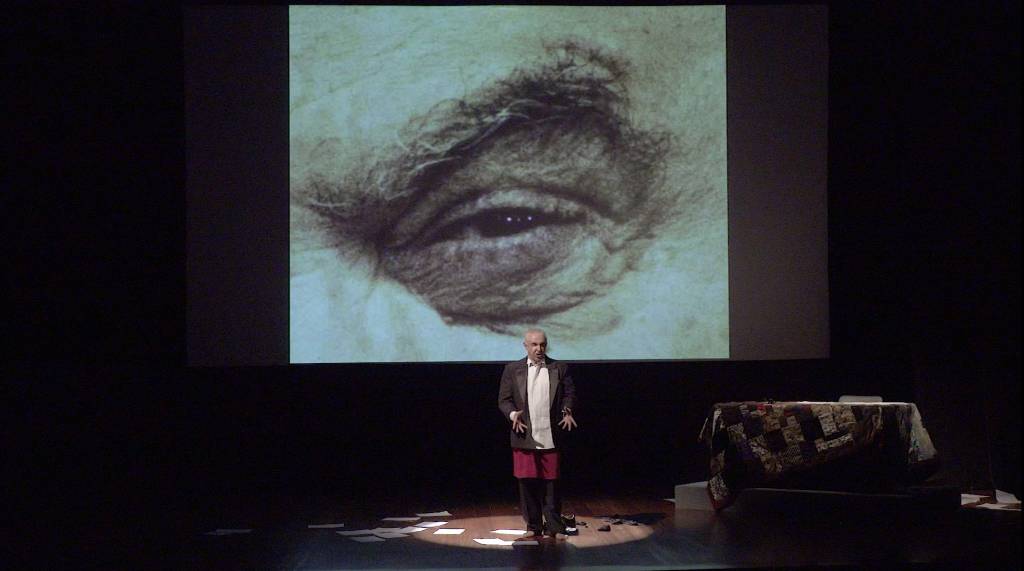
{"x":460,"y":174}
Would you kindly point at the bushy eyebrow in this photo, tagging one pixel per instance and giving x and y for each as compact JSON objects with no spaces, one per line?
{"x":578,"y":81}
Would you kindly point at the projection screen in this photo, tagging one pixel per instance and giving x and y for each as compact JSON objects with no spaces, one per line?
{"x":459,"y":174}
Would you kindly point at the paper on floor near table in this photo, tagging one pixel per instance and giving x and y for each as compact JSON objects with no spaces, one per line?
{"x":411,"y":529}
{"x":390,"y":535}
{"x":366,"y":539}
{"x":510,"y":531}
{"x":449,"y":531}
{"x":435,"y":514}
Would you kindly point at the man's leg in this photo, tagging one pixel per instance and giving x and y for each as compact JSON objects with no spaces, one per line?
{"x":553,"y":508}
{"x":530,"y":500}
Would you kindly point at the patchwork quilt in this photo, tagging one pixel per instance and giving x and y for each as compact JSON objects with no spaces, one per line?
{"x":756,"y":444}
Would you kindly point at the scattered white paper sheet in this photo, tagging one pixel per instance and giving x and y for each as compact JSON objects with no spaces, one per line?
{"x":366,"y":539}
{"x":356,"y":532}
{"x":431,"y":523}
{"x":1002,"y":499}
{"x":385,"y":530}
{"x":390,"y":535}
{"x":411,"y":529}
{"x":673,"y":500}
{"x":435,"y":514}
{"x":1006,"y":497}
{"x":227,"y":531}
{"x":325,"y":525}
{"x":969,"y":498}
{"x":400,"y":518}
{"x":510,"y":531}
{"x":449,"y":531}
{"x":494,"y":541}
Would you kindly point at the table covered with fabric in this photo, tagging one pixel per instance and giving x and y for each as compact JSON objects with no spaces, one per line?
{"x":876,"y":447}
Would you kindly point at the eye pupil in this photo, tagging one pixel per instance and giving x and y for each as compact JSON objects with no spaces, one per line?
{"x":507,"y":222}
{"x":517,"y":219}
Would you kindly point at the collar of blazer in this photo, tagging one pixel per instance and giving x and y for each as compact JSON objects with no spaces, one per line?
{"x":524,"y":362}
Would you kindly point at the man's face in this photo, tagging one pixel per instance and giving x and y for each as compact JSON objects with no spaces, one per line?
{"x":461,"y":173}
{"x":536,"y":345}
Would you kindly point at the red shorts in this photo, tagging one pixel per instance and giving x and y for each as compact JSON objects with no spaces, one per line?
{"x":535,"y":463}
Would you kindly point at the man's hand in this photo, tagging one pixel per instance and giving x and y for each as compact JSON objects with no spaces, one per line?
{"x":518,"y":425}
{"x":567,"y":422}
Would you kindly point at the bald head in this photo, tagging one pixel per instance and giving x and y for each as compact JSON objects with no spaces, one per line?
{"x":534,"y":331}
{"x":536,"y":344}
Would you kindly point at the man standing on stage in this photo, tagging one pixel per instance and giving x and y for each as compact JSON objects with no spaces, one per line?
{"x":537,"y":396}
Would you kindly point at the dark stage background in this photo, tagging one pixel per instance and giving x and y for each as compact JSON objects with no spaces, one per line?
{"x":106,"y":424}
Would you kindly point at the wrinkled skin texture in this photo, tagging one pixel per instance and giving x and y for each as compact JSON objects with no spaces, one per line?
{"x":460,"y":173}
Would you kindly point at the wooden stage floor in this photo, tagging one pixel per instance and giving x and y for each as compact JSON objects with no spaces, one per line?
{"x":664,"y":538}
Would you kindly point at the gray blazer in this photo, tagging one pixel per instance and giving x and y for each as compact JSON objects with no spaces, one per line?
{"x":512,"y":396}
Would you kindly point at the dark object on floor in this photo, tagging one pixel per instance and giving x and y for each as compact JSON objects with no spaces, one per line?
{"x":569,"y":521}
{"x":605,"y":527}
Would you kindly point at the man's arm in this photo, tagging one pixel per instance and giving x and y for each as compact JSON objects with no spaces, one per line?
{"x":506,"y":402}
{"x":568,"y":400}
{"x":568,"y":390}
